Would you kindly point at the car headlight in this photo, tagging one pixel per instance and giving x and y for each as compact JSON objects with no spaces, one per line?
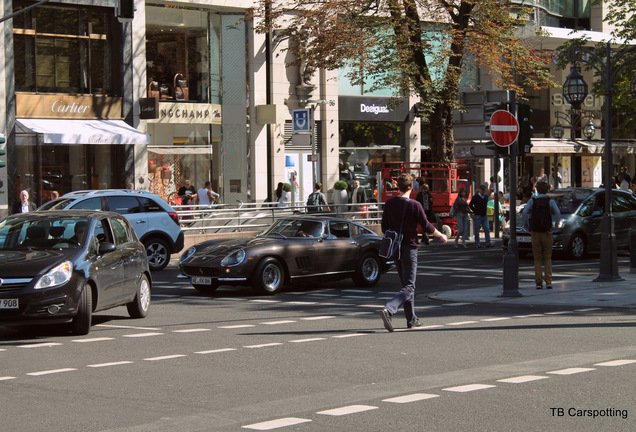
{"x":561,"y":223}
{"x":187,"y":254}
{"x":56,"y":276}
{"x":233,"y":259}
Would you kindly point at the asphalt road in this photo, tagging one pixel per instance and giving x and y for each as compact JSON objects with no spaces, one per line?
{"x":317,"y":358}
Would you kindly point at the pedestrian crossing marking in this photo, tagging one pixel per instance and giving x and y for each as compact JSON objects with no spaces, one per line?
{"x":275,"y":424}
{"x":570,"y":371}
{"x":411,"y":398}
{"x":522,"y":379}
{"x":351,"y":409}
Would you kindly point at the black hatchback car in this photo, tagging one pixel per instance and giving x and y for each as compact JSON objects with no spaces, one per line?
{"x":62,"y":266}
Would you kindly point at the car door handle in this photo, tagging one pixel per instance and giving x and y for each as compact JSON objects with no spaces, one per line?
{"x":140,"y":221}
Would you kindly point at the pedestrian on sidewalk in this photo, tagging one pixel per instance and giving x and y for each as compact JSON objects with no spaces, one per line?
{"x":542,"y":215}
{"x":425,"y":197}
{"x":404,"y":214}
{"x":460,"y":210}
{"x":479,"y":206}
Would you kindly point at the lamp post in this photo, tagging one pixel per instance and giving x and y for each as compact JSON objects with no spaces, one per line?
{"x":573,"y":122}
{"x":607,"y":64}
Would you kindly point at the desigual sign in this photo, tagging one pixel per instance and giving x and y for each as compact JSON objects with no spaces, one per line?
{"x":191,"y":113}
{"x":364,"y":108}
{"x":68,"y":107}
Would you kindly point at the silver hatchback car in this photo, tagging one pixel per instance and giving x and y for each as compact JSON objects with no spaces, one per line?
{"x":580,"y":228}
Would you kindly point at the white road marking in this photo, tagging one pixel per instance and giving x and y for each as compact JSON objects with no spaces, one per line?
{"x":410,"y":398}
{"x":263,"y":345}
{"x":193,"y":330}
{"x":216,"y":351}
{"x":52,"y":371}
{"x":429,"y":307}
{"x":318,"y":318}
{"x":6,"y":378}
{"x":275,"y":424}
{"x":140,"y":335}
{"x":264,"y":301}
{"x":237,"y":326}
{"x":529,"y":316}
{"x":168,"y":357}
{"x":570,"y":371}
{"x":349,"y":335}
{"x":302,"y":303}
{"x":40,"y":345}
{"x":307,"y":340}
{"x":323,"y":295}
{"x":522,"y":379}
{"x":278,"y":322}
{"x":457,"y":304}
{"x":358,"y":297}
{"x":125,"y":327}
{"x":100,"y":339}
{"x":616,"y":363}
{"x":496,"y":319}
{"x":558,"y":313}
{"x":99,"y":365}
{"x":469,"y":388}
{"x":356,"y":291}
{"x":588,"y":309}
{"x":374,"y":306}
{"x":462,"y":323}
{"x":351,"y":409}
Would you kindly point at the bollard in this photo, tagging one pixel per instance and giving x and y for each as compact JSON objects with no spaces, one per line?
{"x":632,"y":251}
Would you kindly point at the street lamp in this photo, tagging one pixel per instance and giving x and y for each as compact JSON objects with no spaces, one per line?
{"x":573,"y":122}
{"x":607,"y":65}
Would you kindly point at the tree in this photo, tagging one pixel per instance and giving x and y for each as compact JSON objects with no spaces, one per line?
{"x":417,"y":47}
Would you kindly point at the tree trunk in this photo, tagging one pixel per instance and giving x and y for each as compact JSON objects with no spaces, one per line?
{"x":441,"y":134}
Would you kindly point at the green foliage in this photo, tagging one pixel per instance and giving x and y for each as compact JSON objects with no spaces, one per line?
{"x":340,"y":185}
{"x":286,"y":187}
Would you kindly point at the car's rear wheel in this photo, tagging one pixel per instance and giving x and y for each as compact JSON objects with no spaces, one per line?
{"x":82,"y":321}
{"x":578,"y":246}
{"x":206,"y":289}
{"x":138,"y":308}
{"x":158,"y":253}
{"x":368,"y":272}
{"x":269,"y":277}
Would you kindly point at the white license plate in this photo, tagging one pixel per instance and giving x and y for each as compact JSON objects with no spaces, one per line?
{"x":201,"y":281}
{"x":524,"y":239}
{"x":9,"y":304}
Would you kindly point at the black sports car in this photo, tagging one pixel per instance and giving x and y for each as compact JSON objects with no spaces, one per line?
{"x":60,"y":266}
{"x":290,"y":250}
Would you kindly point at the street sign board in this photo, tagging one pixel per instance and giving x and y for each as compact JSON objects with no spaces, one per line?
{"x":300,"y":121}
{"x":504,"y":128}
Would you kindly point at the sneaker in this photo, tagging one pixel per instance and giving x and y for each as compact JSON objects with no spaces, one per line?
{"x":539,"y":287}
{"x":548,"y":286}
{"x":386,"y":318}
{"x":417,"y":323}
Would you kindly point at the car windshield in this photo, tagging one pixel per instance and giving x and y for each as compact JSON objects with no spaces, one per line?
{"x":58,"y":204}
{"x":42,"y":233}
{"x":569,"y":201}
{"x":293,"y":228}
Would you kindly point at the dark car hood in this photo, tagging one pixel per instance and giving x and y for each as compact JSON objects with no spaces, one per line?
{"x":24,"y":263}
{"x":223,"y":247}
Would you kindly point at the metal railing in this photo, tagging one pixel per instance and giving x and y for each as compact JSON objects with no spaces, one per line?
{"x":228,"y":218}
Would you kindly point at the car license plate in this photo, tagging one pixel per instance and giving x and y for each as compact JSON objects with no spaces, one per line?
{"x":524,"y":239}
{"x":201,"y":280}
{"x":9,"y":303}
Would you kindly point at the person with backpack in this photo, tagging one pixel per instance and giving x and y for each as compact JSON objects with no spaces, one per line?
{"x":541,"y":215}
{"x":316,"y":201}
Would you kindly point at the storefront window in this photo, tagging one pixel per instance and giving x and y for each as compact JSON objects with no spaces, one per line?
{"x":64,"y":49}
{"x":178,"y":54}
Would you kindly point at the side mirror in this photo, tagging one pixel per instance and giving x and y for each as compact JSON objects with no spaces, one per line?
{"x":106,"y":247}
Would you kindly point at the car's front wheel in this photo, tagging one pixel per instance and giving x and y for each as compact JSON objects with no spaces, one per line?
{"x":368,"y":272}
{"x":82,"y":321}
{"x":207,"y":289}
{"x":138,"y":308}
{"x":158,"y":253}
{"x":578,"y":246}
{"x":269,"y":277}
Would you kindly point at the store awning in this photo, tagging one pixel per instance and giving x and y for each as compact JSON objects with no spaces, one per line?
{"x":65,"y":131}
{"x":180,"y":150}
{"x":553,"y":146}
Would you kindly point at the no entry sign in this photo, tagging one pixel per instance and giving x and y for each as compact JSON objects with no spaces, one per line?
{"x":504,"y":128}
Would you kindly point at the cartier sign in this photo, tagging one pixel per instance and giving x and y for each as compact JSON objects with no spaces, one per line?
{"x":62,"y":106}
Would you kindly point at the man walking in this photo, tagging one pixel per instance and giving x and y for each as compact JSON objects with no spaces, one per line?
{"x":357,"y":197}
{"x":479,"y":206}
{"x":539,"y":213}
{"x":316,"y":201}
{"x":24,"y":205}
{"x":404,"y":214}
{"x":206,"y":195}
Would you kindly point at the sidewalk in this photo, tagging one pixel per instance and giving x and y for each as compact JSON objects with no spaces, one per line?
{"x":579,"y":292}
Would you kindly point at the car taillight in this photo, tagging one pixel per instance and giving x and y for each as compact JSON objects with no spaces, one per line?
{"x":174,"y":216}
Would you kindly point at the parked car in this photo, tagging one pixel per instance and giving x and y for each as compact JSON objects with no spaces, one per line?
{"x":580,"y":229}
{"x":155,"y":222}
{"x":61,"y":266}
{"x":294,"y":249}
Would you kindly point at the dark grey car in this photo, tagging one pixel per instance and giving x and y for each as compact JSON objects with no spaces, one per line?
{"x":581,"y":226}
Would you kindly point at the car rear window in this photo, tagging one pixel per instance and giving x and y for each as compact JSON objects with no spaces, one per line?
{"x":150,"y":205}
{"x":123,"y":204}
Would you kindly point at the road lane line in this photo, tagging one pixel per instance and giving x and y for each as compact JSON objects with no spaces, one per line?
{"x":529,"y":316}
{"x":522,"y":379}
{"x":616,"y":363}
{"x":322,"y":317}
{"x":558,"y":313}
{"x":216,"y":351}
{"x":307,"y":340}
{"x":6,"y":378}
{"x":52,"y":371}
{"x":126,"y":327}
{"x":168,"y":357}
{"x":461,"y":323}
{"x":588,"y":309}
{"x":468,"y":388}
{"x":266,"y":345}
{"x":415,"y":397}
{"x":193,"y":330}
{"x":238,"y":326}
{"x":275,"y":424}
{"x":496,"y":319}
{"x":457,"y":304}
{"x":278,"y":322}
{"x":99,"y":365}
{"x":351,"y":409}
{"x":349,"y":335}
{"x":99,"y":339}
{"x":40,"y":345}
{"x":570,"y":371}
{"x":140,"y":335}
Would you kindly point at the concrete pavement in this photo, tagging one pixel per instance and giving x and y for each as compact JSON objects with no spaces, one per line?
{"x":579,"y":291}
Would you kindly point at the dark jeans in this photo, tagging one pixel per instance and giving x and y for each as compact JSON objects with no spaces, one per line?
{"x":407,"y":271}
